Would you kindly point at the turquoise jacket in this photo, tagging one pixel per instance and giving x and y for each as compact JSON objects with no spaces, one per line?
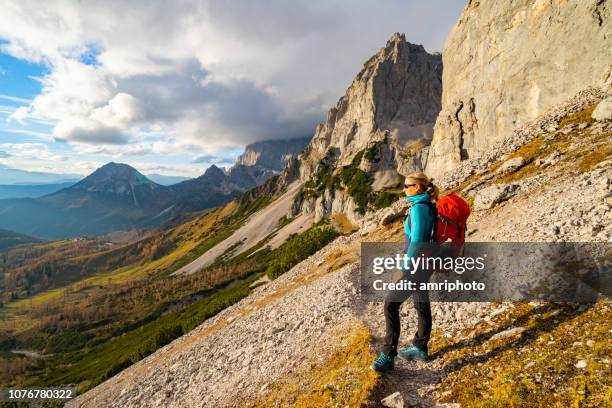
{"x":421,"y":221}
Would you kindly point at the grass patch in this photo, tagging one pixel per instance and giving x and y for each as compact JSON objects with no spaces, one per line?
{"x":341,"y":379}
{"x":341,"y":223}
{"x":595,"y":156}
{"x":535,"y":367}
{"x":583,"y":116}
{"x":341,"y":257}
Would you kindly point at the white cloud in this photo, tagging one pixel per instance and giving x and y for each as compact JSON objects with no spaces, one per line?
{"x":19,"y":115}
{"x":205,"y":73}
{"x":122,"y":110}
{"x":13,"y":98}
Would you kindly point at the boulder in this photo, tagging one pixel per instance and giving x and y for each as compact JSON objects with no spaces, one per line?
{"x":488,"y":197}
{"x":511,"y":165}
{"x":603,"y":111}
{"x":392,"y":214}
{"x":549,"y":160}
{"x":394,"y":400}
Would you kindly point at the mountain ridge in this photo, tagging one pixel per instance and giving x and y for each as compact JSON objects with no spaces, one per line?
{"x":117,"y":197}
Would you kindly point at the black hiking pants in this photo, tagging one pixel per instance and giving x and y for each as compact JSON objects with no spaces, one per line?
{"x":393,"y":302}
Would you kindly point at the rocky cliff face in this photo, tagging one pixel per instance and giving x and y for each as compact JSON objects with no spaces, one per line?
{"x":272,"y":154}
{"x":389,"y":110}
{"x":398,"y":90}
{"x":505,"y":64}
{"x":262,"y":160}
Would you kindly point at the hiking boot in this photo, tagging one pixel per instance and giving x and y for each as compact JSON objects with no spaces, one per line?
{"x":413,"y":353}
{"x":383,"y":363}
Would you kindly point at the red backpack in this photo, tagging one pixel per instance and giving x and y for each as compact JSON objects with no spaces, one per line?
{"x":453,"y":213}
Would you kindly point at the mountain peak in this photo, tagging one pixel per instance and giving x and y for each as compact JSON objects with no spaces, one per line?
{"x":214,"y":174}
{"x":116,"y":168}
{"x":393,"y":101}
{"x":113,"y":178}
{"x":397,"y":37}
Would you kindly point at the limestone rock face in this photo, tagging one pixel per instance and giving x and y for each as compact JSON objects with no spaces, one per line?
{"x":398,"y":90}
{"x":389,"y":108}
{"x":506,"y":63}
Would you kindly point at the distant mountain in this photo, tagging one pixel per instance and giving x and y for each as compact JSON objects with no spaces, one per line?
{"x":10,"y":239}
{"x":30,"y":190}
{"x":117,"y":181}
{"x":272,"y":154}
{"x":16,"y":176}
{"x":166,"y":180}
{"x":114,"y":197}
{"x":262,"y":160}
{"x":117,"y":197}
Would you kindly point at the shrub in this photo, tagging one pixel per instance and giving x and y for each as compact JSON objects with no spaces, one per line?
{"x":385,"y":199}
{"x":298,"y":248}
{"x":371,"y":153}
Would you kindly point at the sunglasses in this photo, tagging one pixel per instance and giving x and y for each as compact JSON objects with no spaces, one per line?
{"x":409,"y":185}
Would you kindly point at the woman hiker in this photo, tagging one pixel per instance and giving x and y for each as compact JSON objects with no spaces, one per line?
{"x":421,"y":193}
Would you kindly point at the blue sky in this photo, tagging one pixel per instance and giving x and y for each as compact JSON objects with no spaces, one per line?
{"x":184,"y":86}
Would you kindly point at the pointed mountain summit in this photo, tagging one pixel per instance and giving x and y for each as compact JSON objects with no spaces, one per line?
{"x":398,"y":90}
{"x":381,"y":126}
{"x":213,"y":174}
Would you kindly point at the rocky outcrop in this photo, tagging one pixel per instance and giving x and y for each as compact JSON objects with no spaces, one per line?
{"x":398,"y":90}
{"x":603,"y":111}
{"x":389,"y":108}
{"x":507,"y":63}
{"x":494,"y":194}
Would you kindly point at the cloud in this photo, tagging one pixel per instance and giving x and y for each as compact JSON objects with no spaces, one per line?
{"x":13,"y":98}
{"x":19,"y":115}
{"x":205,"y":158}
{"x":4,"y":155}
{"x":32,"y":133}
{"x":206,"y":73}
{"x":90,"y":134}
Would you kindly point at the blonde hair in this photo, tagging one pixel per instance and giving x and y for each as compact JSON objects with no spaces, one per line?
{"x":420,"y":178}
